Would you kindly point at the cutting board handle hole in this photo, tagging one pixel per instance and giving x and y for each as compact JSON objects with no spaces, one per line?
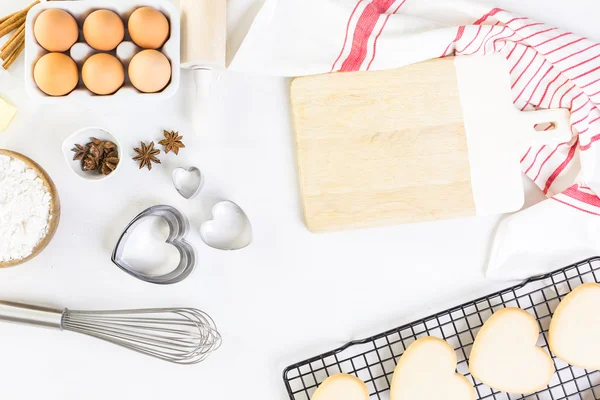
{"x":546,"y":126}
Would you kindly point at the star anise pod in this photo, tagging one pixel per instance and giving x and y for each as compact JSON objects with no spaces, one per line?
{"x":172,"y":142}
{"x":95,"y":141}
{"x":97,"y":151}
{"x":109,"y":163}
{"x":104,"y":146}
{"x":89,"y":163}
{"x":147,"y":155}
{"x":80,"y":152}
{"x":96,"y":144}
{"x":109,"y":147}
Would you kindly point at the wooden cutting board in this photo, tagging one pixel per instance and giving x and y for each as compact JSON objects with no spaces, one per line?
{"x":434,"y":140}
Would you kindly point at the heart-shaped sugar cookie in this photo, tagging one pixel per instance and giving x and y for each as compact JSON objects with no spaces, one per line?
{"x":341,"y":387}
{"x":427,"y":371}
{"x":505,"y":356}
{"x":574,"y":334}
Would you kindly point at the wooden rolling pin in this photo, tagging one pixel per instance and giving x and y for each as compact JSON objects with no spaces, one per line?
{"x":203,"y":48}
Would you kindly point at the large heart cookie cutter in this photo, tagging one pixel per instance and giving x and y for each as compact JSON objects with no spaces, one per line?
{"x":178,"y":229}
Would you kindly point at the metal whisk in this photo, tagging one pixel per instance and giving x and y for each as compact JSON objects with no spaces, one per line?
{"x":178,"y":335}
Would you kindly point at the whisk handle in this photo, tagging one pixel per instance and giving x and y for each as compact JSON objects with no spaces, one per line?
{"x":30,"y":315}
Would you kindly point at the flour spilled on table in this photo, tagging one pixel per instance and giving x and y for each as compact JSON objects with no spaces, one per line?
{"x":24,"y":209}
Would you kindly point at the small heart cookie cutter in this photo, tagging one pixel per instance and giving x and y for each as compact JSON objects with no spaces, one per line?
{"x":178,"y":229}
{"x":190,"y":191}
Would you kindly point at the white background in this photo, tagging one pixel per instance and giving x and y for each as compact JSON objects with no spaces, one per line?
{"x":289,"y":296}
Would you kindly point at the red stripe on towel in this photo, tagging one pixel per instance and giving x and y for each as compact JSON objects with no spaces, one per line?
{"x":588,"y":146}
{"x":592,"y":95}
{"x":535,"y":34}
{"x":381,"y":30}
{"x":459,"y":33}
{"x":548,"y":87}
{"x":556,"y":91}
{"x":587,"y":198}
{"x":527,"y":84}
{"x":346,"y":37}
{"x":515,"y":19}
{"x":581,"y":63}
{"x":546,"y":160}
{"x":526,"y":154}
{"x":586,"y":73}
{"x":554,"y":38}
{"x":471,"y":42}
{"x":529,"y":26}
{"x":535,"y":158}
{"x":520,"y":58}
{"x":364,"y":28}
{"x":535,"y":54}
{"x":513,"y":49}
{"x":563,"y":46}
{"x":560,"y":168}
{"x":564,"y":94}
{"x":481,"y":20}
{"x":486,"y":39}
{"x":495,"y":40}
{"x":576,"y":53}
{"x":590,"y":84}
{"x":575,"y":207}
{"x":580,"y":107}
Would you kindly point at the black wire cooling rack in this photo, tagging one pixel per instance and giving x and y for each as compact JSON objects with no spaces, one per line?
{"x":373,"y":359}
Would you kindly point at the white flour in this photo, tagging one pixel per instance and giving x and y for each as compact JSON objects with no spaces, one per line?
{"x":24,"y":209}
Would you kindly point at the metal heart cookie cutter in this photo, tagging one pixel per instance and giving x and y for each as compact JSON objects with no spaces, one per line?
{"x":178,"y":229}
{"x":229,"y":228}
{"x":188,"y":182}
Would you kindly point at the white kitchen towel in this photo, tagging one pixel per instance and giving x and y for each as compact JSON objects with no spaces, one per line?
{"x":550,"y":68}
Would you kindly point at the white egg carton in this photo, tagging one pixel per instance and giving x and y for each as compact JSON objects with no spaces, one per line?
{"x":80,"y":51}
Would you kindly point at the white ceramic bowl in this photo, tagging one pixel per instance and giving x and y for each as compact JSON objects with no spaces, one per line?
{"x":80,"y":10}
{"x":82,"y":137}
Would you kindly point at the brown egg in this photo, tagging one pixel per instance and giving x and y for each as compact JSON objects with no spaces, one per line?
{"x":56,"y":74}
{"x":103,"y":74}
{"x":149,"y":71}
{"x":148,"y":28}
{"x":56,"y":30}
{"x":103,"y":30}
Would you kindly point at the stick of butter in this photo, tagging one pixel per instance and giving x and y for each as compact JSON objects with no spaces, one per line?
{"x":7,"y":113}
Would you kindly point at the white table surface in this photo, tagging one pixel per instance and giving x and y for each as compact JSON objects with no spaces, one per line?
{"x":289,"y":296}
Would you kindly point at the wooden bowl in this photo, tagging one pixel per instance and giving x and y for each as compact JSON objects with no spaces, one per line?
{"x":54,"y":207}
